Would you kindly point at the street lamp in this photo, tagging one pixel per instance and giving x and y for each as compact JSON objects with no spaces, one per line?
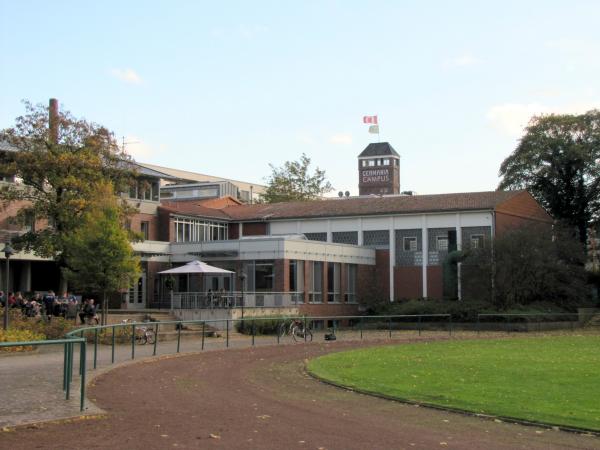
{"x":8,"y":252}
{"x":242,"y":277}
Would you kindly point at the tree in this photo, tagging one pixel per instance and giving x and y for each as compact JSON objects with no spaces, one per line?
{"x":529,"y":264}
{"x":558,"y":161}
{"x":59,"y":165}
{"x":294,"y":182}
{"x":100,"y":257}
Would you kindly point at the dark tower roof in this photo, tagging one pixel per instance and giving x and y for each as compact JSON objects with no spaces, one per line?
{"x":379,"y":149}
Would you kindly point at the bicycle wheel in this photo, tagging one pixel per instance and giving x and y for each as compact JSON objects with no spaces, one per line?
{"x":140,"y":337}
{"x":281,"y":330}
{"x":150,"y":336}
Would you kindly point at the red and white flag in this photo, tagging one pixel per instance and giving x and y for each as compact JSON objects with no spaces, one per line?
{"x":370,"y":119}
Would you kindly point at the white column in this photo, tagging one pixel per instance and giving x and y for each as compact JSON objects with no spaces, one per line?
{"x":25,"y":276}
{"x":425,"y":249}
{"x":360,"y":232}
{"x":392,"y":240}
{"x":241,"y":233}
{"x":329,"y":235}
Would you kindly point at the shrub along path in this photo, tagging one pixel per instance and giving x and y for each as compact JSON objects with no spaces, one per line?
{"x":262,"y":398}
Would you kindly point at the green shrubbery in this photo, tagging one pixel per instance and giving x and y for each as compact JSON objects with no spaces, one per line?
{"x":461,"y":311}
{"x":261,"y":326}
{"x":54,"y":329}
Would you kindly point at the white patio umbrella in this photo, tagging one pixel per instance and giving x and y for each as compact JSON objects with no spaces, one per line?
{"x":196,"y":267}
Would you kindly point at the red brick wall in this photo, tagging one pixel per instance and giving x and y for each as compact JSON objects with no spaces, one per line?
{"x":255,"y":229}
{"x":166,"y":227}
{"x":518,"y":211}
{"x":282,"y":275}
{"x":234,"y":231}
{"x":408,"y":282}
{"x":435,"y":282}
{"x":153,"y":221}
{"x":381,"y":289}
{"x":365,"y":284}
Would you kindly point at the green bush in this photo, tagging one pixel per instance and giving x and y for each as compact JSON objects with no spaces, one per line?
{"x":16,"y":335}
{"x":55,"y":329}
{"x":261,"y":326}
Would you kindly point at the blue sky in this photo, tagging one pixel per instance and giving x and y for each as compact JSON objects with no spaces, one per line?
{"x":226,"y":88}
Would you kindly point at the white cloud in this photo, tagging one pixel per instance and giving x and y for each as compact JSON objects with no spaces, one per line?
{"x":340,"y":139}
{"x":512,"y":118}
{"x":126,"y":75}
{"x":464,"y":60}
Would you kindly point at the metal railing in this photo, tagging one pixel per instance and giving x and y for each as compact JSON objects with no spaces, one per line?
{"x":203,"y":300}
{"x":513,"y":322}
{"x":69,"y":344}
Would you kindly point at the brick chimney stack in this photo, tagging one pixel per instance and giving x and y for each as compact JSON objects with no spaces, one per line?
{"x":53,"y":120}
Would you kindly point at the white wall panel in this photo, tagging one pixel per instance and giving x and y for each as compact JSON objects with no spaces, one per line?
{"x":283,"y":227}
{"x":476,"y":219}
{"x":344,"y":224}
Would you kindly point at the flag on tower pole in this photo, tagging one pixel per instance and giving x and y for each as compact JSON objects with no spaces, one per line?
{"x":370,"y":119}
{"x":374,"y":129}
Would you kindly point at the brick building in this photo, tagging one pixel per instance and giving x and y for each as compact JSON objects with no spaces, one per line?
{"x":325,"y":256}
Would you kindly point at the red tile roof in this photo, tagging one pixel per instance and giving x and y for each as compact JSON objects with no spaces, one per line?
{"x":405,"y":204}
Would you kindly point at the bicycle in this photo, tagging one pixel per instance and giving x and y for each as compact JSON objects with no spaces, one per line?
{"x":143,"y":334}
{"x":297,"y":329}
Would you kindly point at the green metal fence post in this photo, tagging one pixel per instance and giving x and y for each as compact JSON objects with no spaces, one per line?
{"x":361,"y":328}
{"x":227,"y":333}
{"x":95,"y":347}
{"x":419,"y":325}
{"x":305,"y":333}
{"x":65,"y":368}
{"x":450,"y":325}
{"x":253,"y":331}
{"x":69,"y":365}
{"x":179,"y":327}
{"x":277,"y":328}
{"x":203,"y":333}
{"x":155,"y":339}
{"x":477,"y":329}
{"x":112,"y":354}
{"x":390,"y":326}
{"x":82,"y":349}
{"x":133,"y":341}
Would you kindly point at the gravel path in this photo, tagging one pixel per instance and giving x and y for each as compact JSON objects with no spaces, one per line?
{"x":261,"y":398}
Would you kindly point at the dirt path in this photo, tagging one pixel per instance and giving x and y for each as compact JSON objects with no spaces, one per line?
{"x":260,"y":398}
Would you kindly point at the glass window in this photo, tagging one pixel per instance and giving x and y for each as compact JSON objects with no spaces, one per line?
{"x":477,"y":241}
{"x":410,"y":244}
{"x":145,"y":229}
{"x":371,"y":163}
{"x":263,"y":276}
{"x":386,"y":162}
{"x":317,"y":282}
{"x":364,"y":163}
{"x":351,"y":283}
{"x":333,"y":282}
{"x":442,"y":243}
{"x":292,"y":276}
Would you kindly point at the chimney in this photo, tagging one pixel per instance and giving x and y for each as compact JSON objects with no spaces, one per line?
{"x":53,"y":120}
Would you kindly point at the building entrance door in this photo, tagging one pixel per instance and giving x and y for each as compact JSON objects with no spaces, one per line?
{"x":136,"y":297}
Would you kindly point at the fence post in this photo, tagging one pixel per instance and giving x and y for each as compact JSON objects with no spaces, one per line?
{"x":65,"y":369}
{"x":478,"y":326}
{"x":277,"y":328}
{"x":133,"y":341}
{"x":112,"y":355}
{"x":305,"y":333}
{"x":227,"y":334}
{"x":203,"y":333}
{"x":253,"y":332}
{"x":82,"y":358}
{"x":390,"y":326}
{"x":155,"y":339}
{"x":179,"y":327}
{"x":361,"y":328}
{"x":419,"y":325}
{"x":449,"y":324}
{"x":95,"y":347}
{"x":69,"y":366}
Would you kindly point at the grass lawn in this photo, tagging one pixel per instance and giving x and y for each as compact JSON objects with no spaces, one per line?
{"x":554,"y":379}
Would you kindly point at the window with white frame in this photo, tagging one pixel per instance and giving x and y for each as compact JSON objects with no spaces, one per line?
{"x":316,"y":294}
{"x":371,"y":163}
{"x":442,"y":243}
{"x":333,"y":282}
{"x":351,"y":283}
{"x":477,"y":241}
{"x":386,"y":162}
{"x":199,"y":230}
{"x":410,"y":244}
